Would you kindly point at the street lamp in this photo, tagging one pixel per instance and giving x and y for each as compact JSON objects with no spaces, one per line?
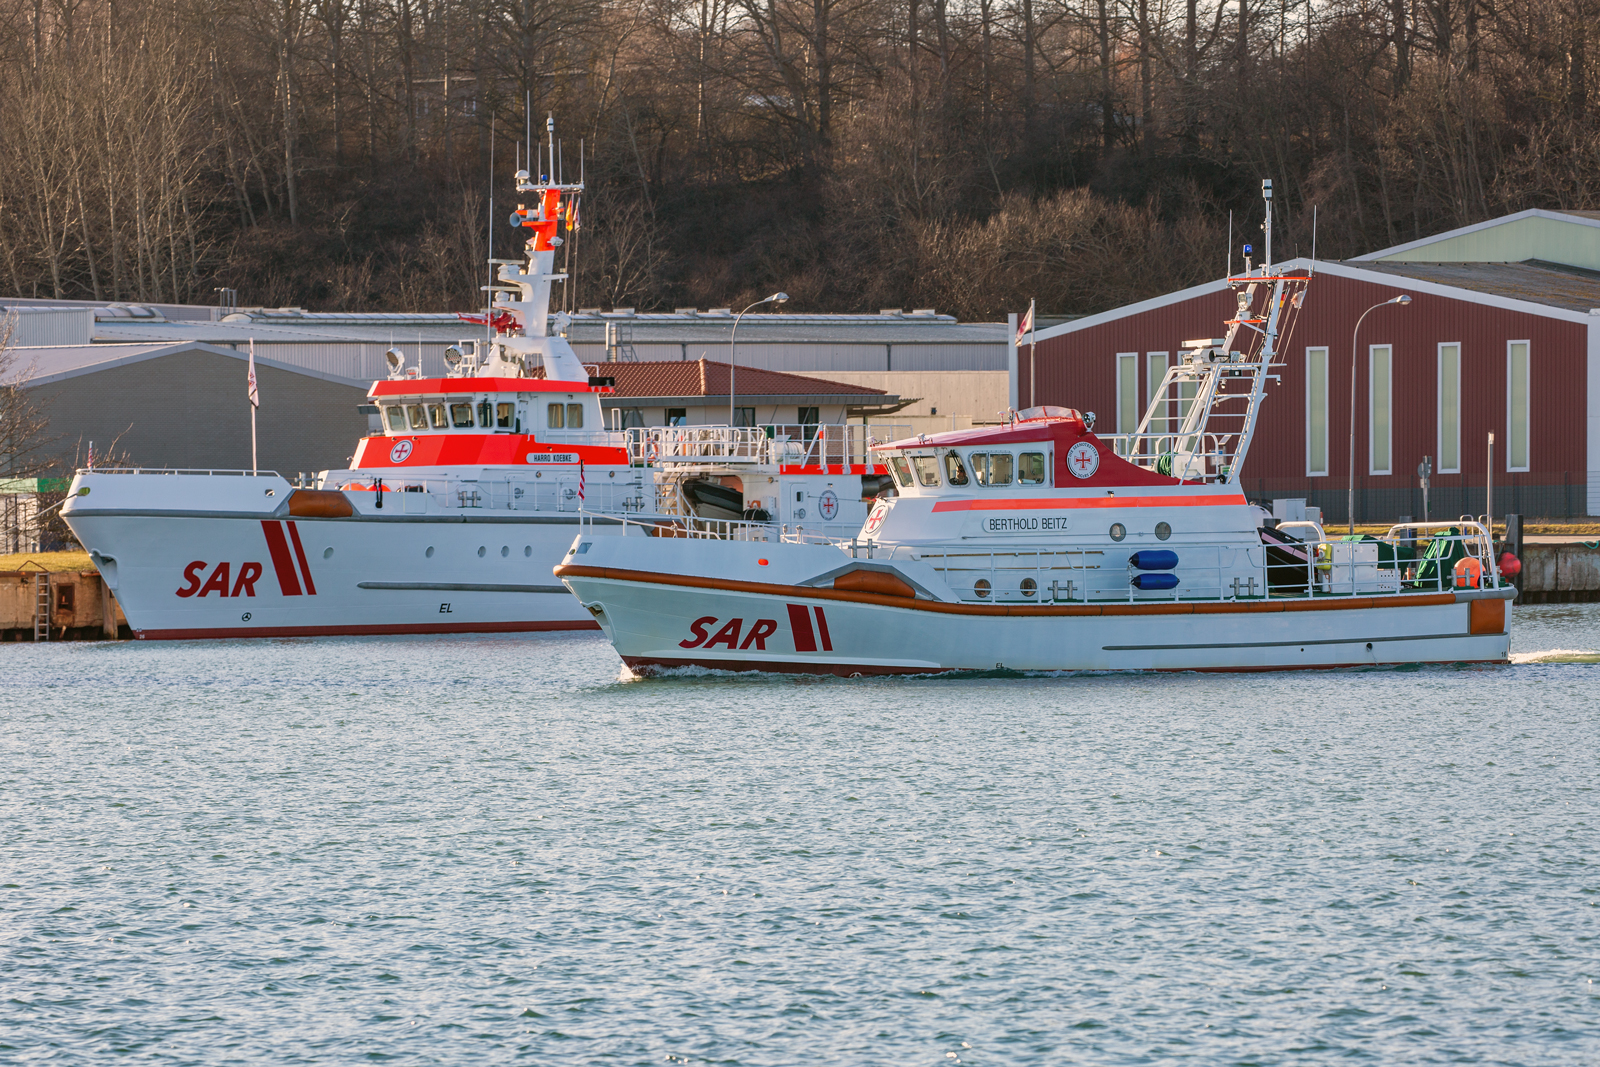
{"x":733,"y":347}
{"x":1401,"y":299}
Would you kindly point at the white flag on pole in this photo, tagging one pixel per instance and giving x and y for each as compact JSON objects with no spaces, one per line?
{"x":255,"y":397}
{"x":1025,"y":325}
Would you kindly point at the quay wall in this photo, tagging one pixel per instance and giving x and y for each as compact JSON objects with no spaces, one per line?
{"x":81,"y":607}
{"x":1559,"y":573}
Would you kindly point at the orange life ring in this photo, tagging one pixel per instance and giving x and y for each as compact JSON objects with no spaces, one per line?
{"x":1469,"y":573}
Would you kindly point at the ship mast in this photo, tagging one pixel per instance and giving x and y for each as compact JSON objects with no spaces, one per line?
{"x":1213,"y":395}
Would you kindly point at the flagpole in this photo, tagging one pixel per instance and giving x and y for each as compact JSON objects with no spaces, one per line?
{"x":1033,"y":364}
{"x":254,"y":401}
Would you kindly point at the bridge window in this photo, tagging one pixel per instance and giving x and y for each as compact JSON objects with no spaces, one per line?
{"x":927,"y":469}
{"x":419,"y":418}
{"x":503,"y":416}
{"x":953,"y":470}
{"x":461,"y":415}
{"x":574,"y":416}
{"x":397,"y":418}
{"x":902,"y":469}
{"x":1030,"y":469}
{"x":993,"y":468}
{"x":436,"y":417}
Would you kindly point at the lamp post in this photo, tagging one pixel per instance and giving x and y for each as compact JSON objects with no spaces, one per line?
{"x":733,"y":346}
{"x":1402,"y":299}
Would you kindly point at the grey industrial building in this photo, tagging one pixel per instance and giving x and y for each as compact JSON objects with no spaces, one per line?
{"x":166,"y":383}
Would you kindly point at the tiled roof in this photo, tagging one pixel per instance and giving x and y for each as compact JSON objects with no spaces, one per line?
{"x":1571,"y":288}
{"x":708,"y":378}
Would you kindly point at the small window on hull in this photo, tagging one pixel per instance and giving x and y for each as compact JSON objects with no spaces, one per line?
{"x":927,"y":469}
{"x":461,"y":415}
{"x":397,"y":418}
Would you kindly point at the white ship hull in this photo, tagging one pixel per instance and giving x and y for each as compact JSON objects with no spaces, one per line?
{"x":661,"y":611}
{"x":218,"y":564}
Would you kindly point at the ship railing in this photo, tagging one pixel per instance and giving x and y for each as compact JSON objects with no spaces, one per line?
{"x":180,"y":470}
{"x":1310,"y":568}
{"x":555,"y":490}
{"x":696,"y":528}
{"x":1175,"y":454}
{"x":789,"y":444}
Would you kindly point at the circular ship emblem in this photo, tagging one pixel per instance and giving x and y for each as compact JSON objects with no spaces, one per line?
{"x":828,"y":504}
{"x":875,"y":520}
{"x":400,"y":452}
{"x":1083,"y":459}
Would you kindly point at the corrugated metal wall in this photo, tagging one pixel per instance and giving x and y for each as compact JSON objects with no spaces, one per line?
{"x":38,"y":327}
{"x":815,"y":358}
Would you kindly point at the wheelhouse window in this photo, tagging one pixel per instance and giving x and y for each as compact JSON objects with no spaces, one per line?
{"x":461,"y":415}
{"x":902,"y":469}
{"x":436,"y":417}
{"x":574,"y":416}
{"x":397,"y":417}
{"x":418,"y":417}
{"x":992,"y":468}
{"x":556,"y":417}
{"x":927,"y":469}
{"x":1030,"y":468}
{"x":485,"y":414}
{"x":503,"y":415}
{"x":954,"y":472}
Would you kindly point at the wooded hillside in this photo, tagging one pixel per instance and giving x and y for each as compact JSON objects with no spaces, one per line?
{"x":856,"y":153}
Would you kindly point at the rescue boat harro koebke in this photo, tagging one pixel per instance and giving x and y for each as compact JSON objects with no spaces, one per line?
{"x":450,"y":519}
{"x":1038,"y":545}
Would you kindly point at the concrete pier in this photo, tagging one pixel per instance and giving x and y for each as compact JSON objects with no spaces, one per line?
{"x":1559,"y":570}
{"x":81,"y":608}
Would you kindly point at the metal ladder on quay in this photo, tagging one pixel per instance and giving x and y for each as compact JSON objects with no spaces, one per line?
{"x":41,"y":605}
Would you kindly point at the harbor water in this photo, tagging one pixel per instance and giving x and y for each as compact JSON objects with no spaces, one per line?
{"x":502,"y":850}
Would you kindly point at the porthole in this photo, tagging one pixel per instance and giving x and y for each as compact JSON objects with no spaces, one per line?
{"x":482,"y":551}
{"x":429,"y":553}
{"x":527,"y":550}
{"x":327,"y":553}
{"x":981,"y":587}
{"x":1118,"y":531}
{"x":505,"y":550}
{"x":1163,"y":531}
{"x":1029,"y":587}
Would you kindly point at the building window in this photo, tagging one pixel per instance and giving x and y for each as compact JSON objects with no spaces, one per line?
{"x":1127,"y":395}
{"x":1380,"y":438}
{"x":1316,"y":411}
{"x":632,"y":417}
{"x":1155,"y":373}
{"x":744,"y":416}
{"x":1517,"y":383}
{"x":677,"y":416}
{"x":809,"y":418}
{"x":1450,"y":408}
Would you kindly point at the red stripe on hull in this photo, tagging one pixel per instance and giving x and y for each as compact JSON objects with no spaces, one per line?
{"x":378,"y":630}
{"x":646,"y":667}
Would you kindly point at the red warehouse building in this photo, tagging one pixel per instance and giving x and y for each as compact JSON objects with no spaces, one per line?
{"x":1508,"y":347}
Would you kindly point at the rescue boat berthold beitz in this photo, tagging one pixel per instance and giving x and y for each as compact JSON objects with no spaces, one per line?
{"x":1038,"y":545}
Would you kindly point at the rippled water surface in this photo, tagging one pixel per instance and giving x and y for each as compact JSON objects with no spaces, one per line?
{"x":489,"y":850}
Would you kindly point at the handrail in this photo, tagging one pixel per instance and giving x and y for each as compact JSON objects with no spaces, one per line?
{"x":178,"y":470}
